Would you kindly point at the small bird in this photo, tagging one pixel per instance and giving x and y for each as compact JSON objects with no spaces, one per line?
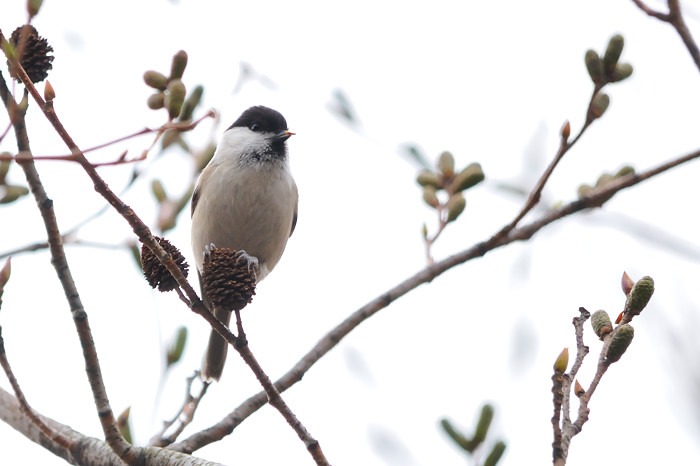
{"x":245,"y":199}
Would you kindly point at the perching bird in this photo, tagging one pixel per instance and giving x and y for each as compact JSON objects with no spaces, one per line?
{"x":245,"y":199}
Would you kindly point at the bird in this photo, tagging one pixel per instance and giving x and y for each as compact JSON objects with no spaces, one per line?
{"x":244,"y":199}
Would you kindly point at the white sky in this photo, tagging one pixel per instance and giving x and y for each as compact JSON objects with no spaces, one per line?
{"x":490,"y":81}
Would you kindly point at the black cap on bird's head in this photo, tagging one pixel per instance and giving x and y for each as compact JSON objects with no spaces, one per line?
{"x":261,"y":119}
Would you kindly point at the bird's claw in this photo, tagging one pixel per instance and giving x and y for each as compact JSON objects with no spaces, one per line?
{"x":251,"y":261}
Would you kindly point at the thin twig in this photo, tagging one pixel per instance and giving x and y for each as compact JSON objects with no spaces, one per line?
{"x":426,"y":275}
{"x":275,"y":399}
{"x":674,"y":17}
{"x":184,"y":417}
{"x":108,"y":422}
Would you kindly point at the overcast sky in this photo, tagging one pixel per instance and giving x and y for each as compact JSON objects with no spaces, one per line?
{"x":490,"y":81}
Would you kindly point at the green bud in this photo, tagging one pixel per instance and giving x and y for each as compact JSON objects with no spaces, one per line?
{"x":600,"y":321}
{"x":463,"y":442}
{"x":483,"y":424}
{"x":4,"y":166}
{"x":612,"y":53}
{"x":156,"y":101}
{"x":430,"y":196}
{"x":603,"y":180}
{"x":428,"y":178}
{"x":584,"y":190}
{"x":12,"y":193}
{"x":624,"y":171}
{"x":175,"y":97}
{"x":424,"y":231}
{"x":496,"y":453}
{"x":123,"y":424}
{"x":205,"y":156}
{"x":178,"y":65}
{"x":621,"y":339}
{"x":600,"y":104}
{"x":446,"y":164}
{"x":639,"y":296}
{"x":135,"y":251}
{"x":455,"y":207}
{"x":155,"y":79}
{"x":169,"y":138}
{"x":467,"y":178}
{"x":621,"y":72}
{"x":178,"y":347}
{"x":594,"y":65}
{"x":562,"y":361}
{"x":33,"y":7}
{"x":191,"y":103}
{"x":158,"y":191}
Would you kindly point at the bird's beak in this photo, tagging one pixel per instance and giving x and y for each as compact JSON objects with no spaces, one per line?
{"x":284,"y":135}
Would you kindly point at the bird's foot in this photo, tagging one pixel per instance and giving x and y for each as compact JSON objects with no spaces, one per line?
{"x":252,"y":261}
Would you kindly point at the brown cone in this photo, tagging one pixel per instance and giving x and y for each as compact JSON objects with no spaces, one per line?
{"x":33,"y":53}
{"x":156,"y":273}
{"x":228,"y":282}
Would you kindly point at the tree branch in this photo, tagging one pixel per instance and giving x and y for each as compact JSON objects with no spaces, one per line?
{"x":58,"y":258}
{"x":84,"y":450}
{"x":426,"y":275}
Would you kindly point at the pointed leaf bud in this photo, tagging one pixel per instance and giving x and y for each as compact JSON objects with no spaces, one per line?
{"x":459,"y":438}
{"x":49,"y":92}
{"x":599,"y":105}
{"x":179,"y":63}
{"x":621,"y":72}
{"x":639,"y":296}
{"x":424,"y":231}
{"x":579,"y":391}
{"x":175,"y":97}
{"x":594,"y":65}
{"x":33,"y":7}
{"x":621,"y":339}
{"x":155,"y":79}
{"x":600,"y":321}
{"x":455,"y":207}
{"x":496,"y":453}
{"x":467,"y":178}
{"x":562,"y":361}
{"x":566,"y":131}
{"x":158,"y":191}
{"x":203,"y":157}
{"x":123,"y":424}
{"x":12,"y":193}
{"x":446,"y":164}
{"x":430,"y":196}
{"x":191,"y":103}
{"x":612,"y":53}
{"x":483,"y":424}
{"x":175,"y":351}
{"x":428,"y":178}
{"x":627,"y":283}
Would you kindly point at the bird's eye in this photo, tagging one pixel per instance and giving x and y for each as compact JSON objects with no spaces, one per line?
{"x":255,"y":127}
